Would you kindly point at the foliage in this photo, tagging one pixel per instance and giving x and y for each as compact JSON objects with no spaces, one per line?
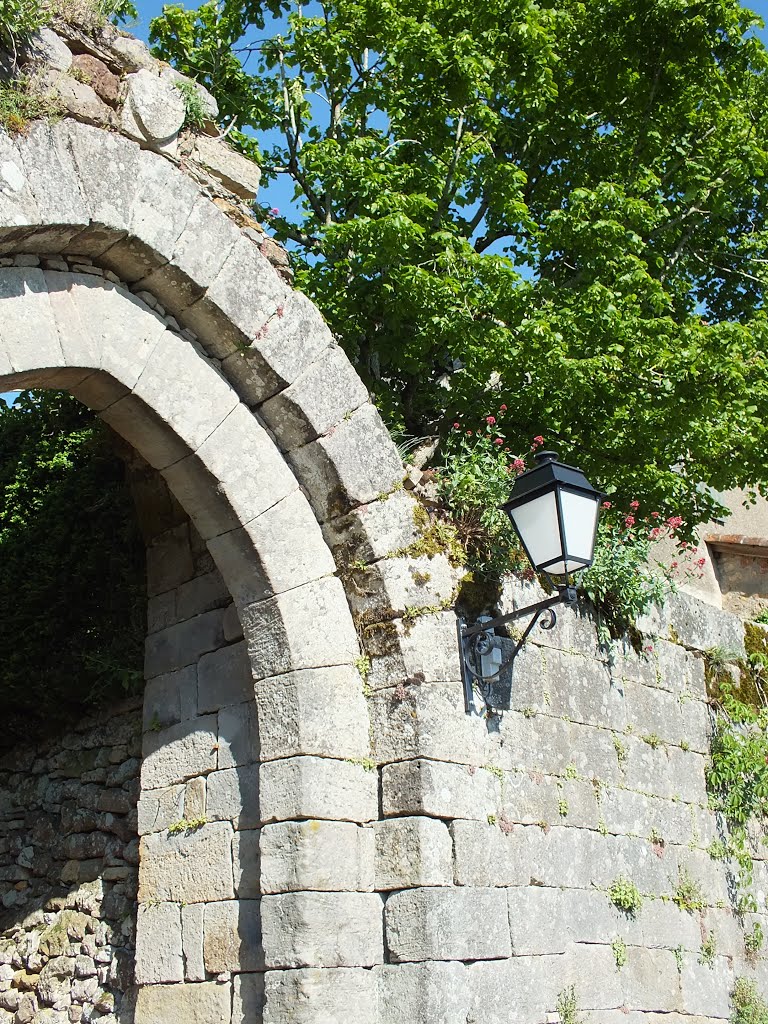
{"x":567,"y":1006}
{"x":688,"y":893}
{"x":619,"y":948}
{"x":626,"y":579}
{"x":194,"y":116}
{"x":72,"y":591}
{"x":762,"y":616}
{"x":708,"y":950}
{"x":625,"y":895}
{"x":748,"y":1005}
{"x":557,"y":206}
{"x":186,"y":826}
{"x":753,"y":940}
{"x":19,"y":18}
{"x":20,"y":104}
{"x":474,"y":479}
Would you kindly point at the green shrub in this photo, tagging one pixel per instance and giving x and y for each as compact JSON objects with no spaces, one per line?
{"x":625,"y":895}
{"x":748,"y":1006}
{"x":72,"y":590}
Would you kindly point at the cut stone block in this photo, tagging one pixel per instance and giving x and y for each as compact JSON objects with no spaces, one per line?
{"x":183,"y":644}
{"x":439,"y":790}
{"x":317,"y":787}
{"x":412,"y":852}
{"x":224,"y":678}
{"x":326,"y":392}
{"x":447,"y":924}
{"x":317,"y":929}
{"x":232,"y":939}
{"x":373,"y":531}
{"x":233,"y":795}
{"x":192,"y":867}
{"x":282,"y":632}
{"x":246,"y":859}
{"x":435,"y":992}
{"x":338,"y":995}
{"x":353,"y":465}
{"x":318,"y":711}
{"x":235,"y":171}
{"x":176,"y":754}
{"x":185,"y":1004}
{"x":320,"y":855}
{"x":159,"y":955}
{"x":192,"y":941}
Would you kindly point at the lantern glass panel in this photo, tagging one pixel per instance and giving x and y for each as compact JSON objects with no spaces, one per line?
{"x":579,"y":519}
{"x":536,"y":522}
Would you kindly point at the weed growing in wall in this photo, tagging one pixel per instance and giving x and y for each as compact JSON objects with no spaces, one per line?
{"x":688,"y":894}
{"x":194,"y":110}
{"x":625,"y":895}
{"x":748,"y":1005}
{"x":567,"y":1007}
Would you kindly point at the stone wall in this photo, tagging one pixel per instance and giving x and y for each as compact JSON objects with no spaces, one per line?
{"x":69,"y":858}
{"x":502,"y":833}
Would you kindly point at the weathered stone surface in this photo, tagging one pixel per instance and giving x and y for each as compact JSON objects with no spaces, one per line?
{"x":236,"y":172}
{"x":99,"y":77}
{"x":233,"y":936}
{"x":248,"y":998}
{"x":412,"y":852}
{"x":240,"y":461}
{"x":289,"y":547}
{"x":182,"y":644}
{"x":153,"y":106}
{"x":46,"y":49}
{"x":317,"y":787}
{"x":319,"y":855}
{"x":275,"y":359}
{"x":246,"y":862}
{"x":159,"y":955}
{"x":78,"y":99}
{"x":318,"y":711}
{"x":233,"y":795}
{"x":160,"y":808}
{"x":316,"y":401}
{"x":224,"y":677}
{"x":297,"y":934}
{"x":192,"y":941}
{"x":375,"y":530}
{"x":191,"y":867}
{"x":184,"y":1004}
{"x":339,"y":996}
{"x":281,"y":634}
{"x":238,"y":735}
{"x":439,"y":790}
{"x":175,"y":754}
{"x":447,"y":924}
{"x":695,"y":624}
{"x":437,"y":993}
{"x":353,"y":465}
{"x":423,"y":648}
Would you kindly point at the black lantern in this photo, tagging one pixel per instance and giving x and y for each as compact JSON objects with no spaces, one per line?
{"x":554,"y":511}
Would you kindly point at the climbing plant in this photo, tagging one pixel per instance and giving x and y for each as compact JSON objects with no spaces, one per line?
{"x":72,"y":589}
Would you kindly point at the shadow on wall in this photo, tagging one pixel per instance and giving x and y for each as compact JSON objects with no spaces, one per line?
{"x":69,"y":870}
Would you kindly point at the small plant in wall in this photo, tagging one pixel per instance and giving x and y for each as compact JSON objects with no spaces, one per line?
{"x":748,"y":1005}
{"x":186,"y":826}
{"x":753,"y":941}
{"x":688,"y":895}
{"x":568,"y":1008}
{"x":619,"y":948}
{"x":708,"y":950}
{"x":625,"y":895}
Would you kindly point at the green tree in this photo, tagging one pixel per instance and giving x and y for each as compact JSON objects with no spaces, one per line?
{"x":555,"y":205}
{"x":72,"y":588}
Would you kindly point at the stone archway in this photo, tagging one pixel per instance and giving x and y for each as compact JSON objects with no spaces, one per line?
{"x":257,"y":488}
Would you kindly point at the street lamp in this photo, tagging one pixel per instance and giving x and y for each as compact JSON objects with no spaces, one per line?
{"x":554,"y":511}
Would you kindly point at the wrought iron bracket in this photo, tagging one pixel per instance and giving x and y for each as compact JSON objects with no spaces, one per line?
{"x":476,"y":640}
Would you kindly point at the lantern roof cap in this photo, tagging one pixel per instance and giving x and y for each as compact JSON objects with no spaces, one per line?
{"x":548,"y":473}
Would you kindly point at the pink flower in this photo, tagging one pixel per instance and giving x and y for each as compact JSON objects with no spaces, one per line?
{"x":499,"y":440}
{"x":674,"y":565}
{"x":648,"y":648}
{"x":469,"y":433}
{"x":537,"y":441}
{"x":674,"y":522}
{"x":606,"y":504}
{"x":655,"y":533}
{"x":655,"y":515}
{"x":274,"y":212}
{"x":502,"y":408}
{"x":629,"y":521}
{"x":457,"y":426}
{"x":634,"y":505}
{"x":490,"y":420}
{"x":701,"y":562}
{"x":519,"y":465}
